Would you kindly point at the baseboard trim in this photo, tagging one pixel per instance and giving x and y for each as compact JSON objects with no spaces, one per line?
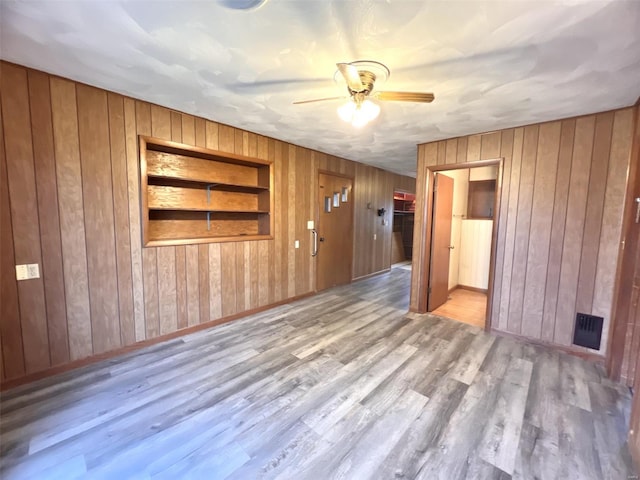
{"x":83,"y":362}
{"x":374,"y":274}
{"x":576,"y":351}
{"x":473,"y":289}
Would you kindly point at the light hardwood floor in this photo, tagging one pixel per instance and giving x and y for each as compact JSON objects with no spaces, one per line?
{"x":340,"y":385}
{"x":464,"y":306}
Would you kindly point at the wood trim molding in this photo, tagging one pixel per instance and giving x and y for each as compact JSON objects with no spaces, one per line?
{"x":374,"y":274}
{"x":629,"y":243}
{"x":473,"y":289}
{"x":7,"y":385}
{"x":424,"y":255}
{"x":575,"y":351}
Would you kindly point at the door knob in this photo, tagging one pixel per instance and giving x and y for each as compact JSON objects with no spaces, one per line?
{"x":451,"y":247}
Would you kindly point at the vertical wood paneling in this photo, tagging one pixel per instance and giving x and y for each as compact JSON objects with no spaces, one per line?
{"x":419,"y":233}
{"x":133,"y":190}
{"x":612,"y":215}
{"x":246,"y":272}
{"x":574,"y":228}
{"x":215,"y":287}
{"x":10,"y":328}
{"x":490,"y":145}
{"x":149,"y":255}
{"x":523,"y":222}
{"x":93,"y":132}
{"x":167,"y":304}
{"x":48,"y":216}
{"x":188,"y":130}
{"x":560,"y":220}
{"x":71,"y":208}
{"x":282,"y":238}
{"x":506,"y":152}
{"x":473,"y":147}
{"x":431,"y":154}
{"x":561,"y":194}
{"x":442,"y":152}
{"x":167,"y":125}
{"x":24,"y":205}
{"x":181,"y":287}
{"x":199,"y":139}
{"x":595,"y":206}
{"x":289,"y":251}
{"x":100,"y":288}
{"x":193,"y":285}
{"x":228,"y":278}
{"x":451,"y":151}
{"x":461,"y":156}
{"x":510,"y":228}
{"x":275,"y":288}
{"x":121,"y":218}
{"x":540,"y":228}
{"x":203,"y":282}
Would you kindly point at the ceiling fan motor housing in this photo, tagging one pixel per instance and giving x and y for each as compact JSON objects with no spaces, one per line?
{"x":368,"y":79}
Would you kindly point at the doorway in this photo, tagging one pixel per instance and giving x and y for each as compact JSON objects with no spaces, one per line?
{"x":404,"y":208}
{"x":335,"y":231}
{"x":462,"y":231}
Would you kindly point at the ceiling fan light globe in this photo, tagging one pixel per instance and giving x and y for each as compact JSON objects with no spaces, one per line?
{"x":346,"y":111}
{"x":370,"y":110}
{"x":360,"y":118}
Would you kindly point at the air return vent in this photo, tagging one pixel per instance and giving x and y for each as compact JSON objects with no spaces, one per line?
{"x":588,"y":331}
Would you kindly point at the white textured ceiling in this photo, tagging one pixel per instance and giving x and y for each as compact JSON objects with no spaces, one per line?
{"x":491,"y":64}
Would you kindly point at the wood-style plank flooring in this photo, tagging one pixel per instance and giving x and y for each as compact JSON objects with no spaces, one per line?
{"x":464,"y":306}
{"x":341,"y":385}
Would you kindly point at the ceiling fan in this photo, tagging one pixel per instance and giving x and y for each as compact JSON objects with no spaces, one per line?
{"x":360,"y":77}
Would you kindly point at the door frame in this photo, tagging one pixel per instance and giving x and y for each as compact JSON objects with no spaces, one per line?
{"x":399,"y":190}
{"x":625,"y":271}
{"x":423,"y":257}
{"x":351,"y":226}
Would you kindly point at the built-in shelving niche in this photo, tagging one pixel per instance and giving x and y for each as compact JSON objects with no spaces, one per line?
{"x":196,"y":195}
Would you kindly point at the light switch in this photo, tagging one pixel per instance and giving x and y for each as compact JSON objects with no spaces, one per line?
{"x":296,"y":244}
{"x":310,"y":225}
{"x":375,"y":236}
{"x":21,"y":272}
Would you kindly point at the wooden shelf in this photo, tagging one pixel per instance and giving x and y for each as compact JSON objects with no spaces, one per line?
{"x":196,"y":195}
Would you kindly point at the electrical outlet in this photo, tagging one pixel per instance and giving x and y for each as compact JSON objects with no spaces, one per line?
{"x":296,"y":244}
{"x":310,"y":225}
{"x":33,"y":270}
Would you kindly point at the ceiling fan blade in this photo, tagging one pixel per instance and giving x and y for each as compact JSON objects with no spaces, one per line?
{"x":405,"y":96}
{"x":319,"y":100}
{"x":351,"y":75}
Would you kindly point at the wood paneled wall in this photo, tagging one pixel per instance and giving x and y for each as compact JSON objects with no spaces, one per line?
{"x":623,"y":363}
{"x":69,"y":201}
{"x":560,"y":221}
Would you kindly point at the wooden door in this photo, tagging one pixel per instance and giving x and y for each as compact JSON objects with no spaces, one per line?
{"x":440,"y":241}
{"x":335,"y":231}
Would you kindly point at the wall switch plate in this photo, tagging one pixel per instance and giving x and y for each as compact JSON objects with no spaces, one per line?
{"x":27,"y":271}
{"x":385,"y":222}
{"x":375,"y":236}
{"x":296,"y":244}
{"x":21,"y":272}
{"x":310,"y":225}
